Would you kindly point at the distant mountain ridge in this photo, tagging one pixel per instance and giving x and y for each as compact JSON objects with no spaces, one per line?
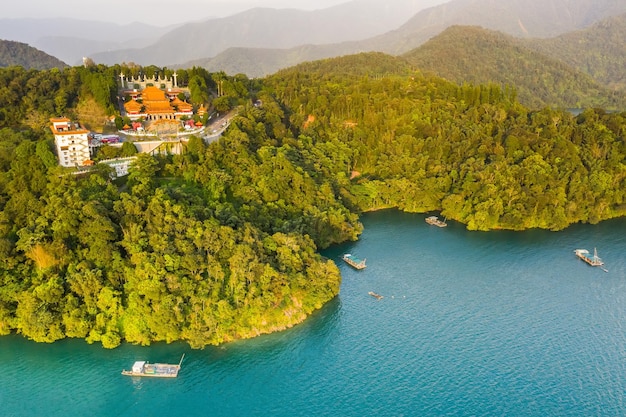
{"x":270,"y":28}
{"x":20,"y":54}
{"x":469,"y":54}
{"x":71,"y":39}
{"x":527,"y":19}
{"x":581,"y":65}
{"x":291,"y":36}
{"x":599,"y":50}
{"x":259,"y":62}
{"x":555,"y":71}
{"x":520,"y":18}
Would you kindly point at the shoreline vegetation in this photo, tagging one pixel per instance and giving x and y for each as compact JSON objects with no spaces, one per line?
{"x":222,"y":242}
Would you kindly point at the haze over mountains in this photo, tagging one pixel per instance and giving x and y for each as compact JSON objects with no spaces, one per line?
{"x":527,"y":19}
{"x":520,"y":18}
{"x":260,"y":41}
{"x":272,"y":28}
{"x":543,"y":47}
{"x":70,"y":40}
{"x":107,"y":43}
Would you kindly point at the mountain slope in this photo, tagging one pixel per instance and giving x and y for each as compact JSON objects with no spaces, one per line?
{"x":357,"y":65}
{"x":521,"y":18}
{"x":480,"y":56}
{"x":536,"y":18}
{"x":20,"y":54}
{"x":599,"y":51}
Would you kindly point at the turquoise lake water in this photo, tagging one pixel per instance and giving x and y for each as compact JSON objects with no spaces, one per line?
{"x":471,"y":324}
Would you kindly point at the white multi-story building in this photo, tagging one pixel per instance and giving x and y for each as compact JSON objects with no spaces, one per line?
{"x":72,"y":142}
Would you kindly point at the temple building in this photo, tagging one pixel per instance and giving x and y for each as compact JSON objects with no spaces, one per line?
{"x":156,"y":105}
{"x":72,"y":142}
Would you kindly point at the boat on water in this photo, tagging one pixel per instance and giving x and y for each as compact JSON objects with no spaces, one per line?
{"x":157,"y":370}
{"x":376,"y":296}
{"x":593,"y":260}
{"x":353,"y":261}
{"x":434,"y":220}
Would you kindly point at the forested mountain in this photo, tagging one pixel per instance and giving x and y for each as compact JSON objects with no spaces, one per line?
{"x":221,"y":242}
{"x":527,"y":18}
{"x":17,"y":53}
{"x":423,"y":144}
{"x":465,"y":54}
{"x":351,"y":28}
{"x":599,"y":51}
{"x":270,"y":28}
{"x":555,"y":72}
{"x":281,"y":38}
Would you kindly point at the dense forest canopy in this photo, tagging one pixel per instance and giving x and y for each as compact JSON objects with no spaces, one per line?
{"x":206,"y":247}
{"x":473,"y":151}
{"x":221,"y":242}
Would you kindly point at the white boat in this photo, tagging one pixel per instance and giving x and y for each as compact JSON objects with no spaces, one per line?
{"x":434,"y":220}
{"x":155,"y":370}
{"x":353,"y":261}
{"x":593,"y":260}
{"x":375,"y":295}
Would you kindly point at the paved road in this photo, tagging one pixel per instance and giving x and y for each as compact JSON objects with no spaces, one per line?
{"x":215,"y":129}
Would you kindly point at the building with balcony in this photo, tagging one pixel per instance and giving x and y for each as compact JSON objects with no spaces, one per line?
{"x":71,"y":141}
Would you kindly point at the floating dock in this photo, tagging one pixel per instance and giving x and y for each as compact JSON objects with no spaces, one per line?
{"x":353,"y":261}
{"x":156,"y":370}
{"x":434,"y":220}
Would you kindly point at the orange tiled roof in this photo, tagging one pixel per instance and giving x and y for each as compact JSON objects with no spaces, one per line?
{"x":151,"y":93}
{"x":132,"y":106}
{"x":182,"y":105}
{"x":155,"y":101}
{"x":158,"y":107}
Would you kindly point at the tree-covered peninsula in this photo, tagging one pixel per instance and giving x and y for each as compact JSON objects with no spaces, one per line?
{"x":221,"y":242}
{"x":421,"y":144}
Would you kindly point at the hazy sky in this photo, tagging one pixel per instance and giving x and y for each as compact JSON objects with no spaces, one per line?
{"x":157,"y":12}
